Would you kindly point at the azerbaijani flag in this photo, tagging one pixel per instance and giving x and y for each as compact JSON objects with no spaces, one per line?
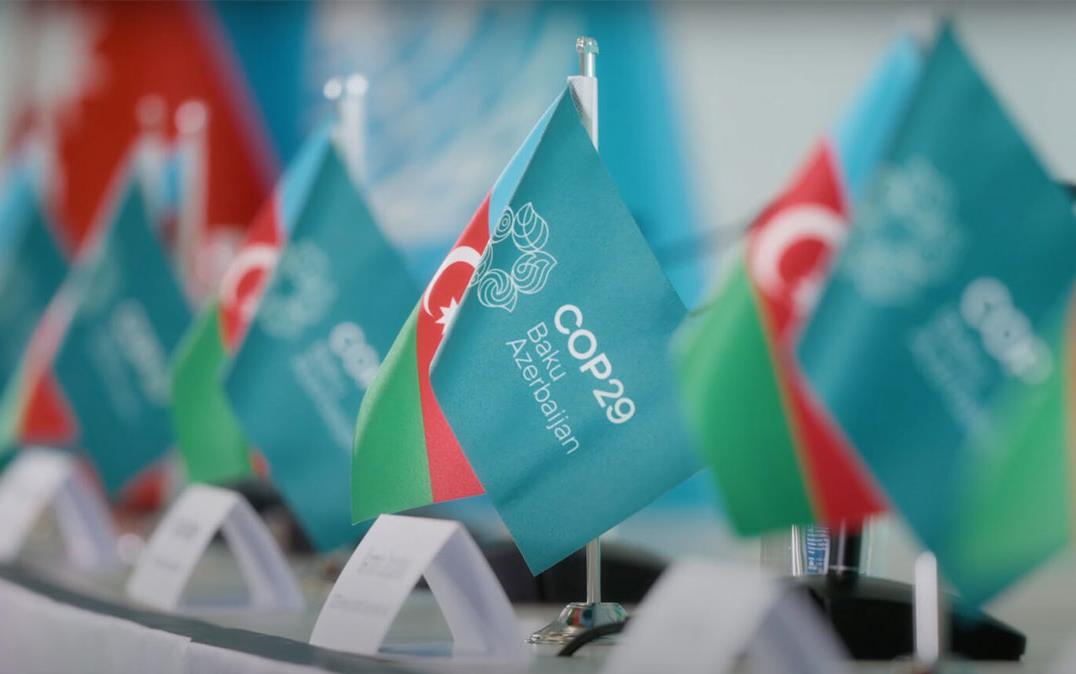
{"x":405,"y":454}
{"x":777,"y":461}
{"x":209,"y":437}
{"x":939,"y":345}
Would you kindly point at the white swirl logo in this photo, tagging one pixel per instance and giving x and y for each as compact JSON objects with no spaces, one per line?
{"x":905,"y":238}
{"x":528,"y":273}
{"x":301,"y":292}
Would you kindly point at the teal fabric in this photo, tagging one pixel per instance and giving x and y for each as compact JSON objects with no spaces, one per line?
{"x":944,"y":300}
{"x":113,"y":362}
{"x":337,"y":299}
{"x":561,"y":475}
{"x":32,"y":267}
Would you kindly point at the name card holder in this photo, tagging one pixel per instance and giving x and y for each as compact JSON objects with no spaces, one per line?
{"x":182,"y":537}
{"x":385,"y":568}
{"x":701,"y":616}
{"x":39,"y":477}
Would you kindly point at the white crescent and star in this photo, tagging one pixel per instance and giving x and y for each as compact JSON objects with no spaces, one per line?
{"x":776,"y":238}
{"x":251,"y":258}
{"x":460,"y":254}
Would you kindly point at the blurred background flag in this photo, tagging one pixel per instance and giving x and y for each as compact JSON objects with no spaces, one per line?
{"x":459,"y":85}
{"x":32,"y":265}
{"x":98,"y":61}
{"x":776,"y":459}
{"x":210,"y":439}
{"x":336,"y":300}
{"x":127,"y":316}
{"x":947,"y":306}
{"x":81,"y":72}
{"x":554,"y":373}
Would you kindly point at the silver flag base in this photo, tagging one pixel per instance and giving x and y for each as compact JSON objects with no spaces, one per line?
{"x":576,"y":618}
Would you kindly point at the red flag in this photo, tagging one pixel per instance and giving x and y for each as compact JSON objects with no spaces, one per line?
{"x":174,"y":51}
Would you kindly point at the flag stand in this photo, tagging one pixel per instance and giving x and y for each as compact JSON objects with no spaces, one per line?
{"x":930,"y":636}
{"x":876,"y":618}
{"x":579,"y":617}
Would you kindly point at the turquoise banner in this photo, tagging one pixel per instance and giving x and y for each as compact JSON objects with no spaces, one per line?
{"x":555,"y":375}
{"x":339,"y":295}
{"x":113,"y":362}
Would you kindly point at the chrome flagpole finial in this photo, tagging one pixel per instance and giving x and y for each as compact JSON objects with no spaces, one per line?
{"x":588,"y":55}
{"x":332,"y":89}
{"x":349,"y":96}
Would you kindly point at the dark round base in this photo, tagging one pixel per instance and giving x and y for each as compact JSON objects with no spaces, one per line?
{"x":873,"y":617}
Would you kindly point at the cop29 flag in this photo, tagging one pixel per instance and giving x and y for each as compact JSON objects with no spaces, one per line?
{"x":405,"y":453}
{"x":777,"y":460}
{"x":937,"y":345}
{"x":338,"y":296}
{"x":554,"y":375}
{"x":128,"y":314}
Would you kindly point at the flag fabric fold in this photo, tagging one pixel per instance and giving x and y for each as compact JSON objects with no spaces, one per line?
{"x":937,"y":345}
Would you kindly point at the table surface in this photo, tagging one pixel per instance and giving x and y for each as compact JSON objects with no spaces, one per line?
{"x":1043,"y":607}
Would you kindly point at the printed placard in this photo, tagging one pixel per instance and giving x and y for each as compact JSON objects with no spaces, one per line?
{"x":383,"y":571}
{"x":702,"y":616}
{"x":182,"y":537}
{"x":40,"y":477}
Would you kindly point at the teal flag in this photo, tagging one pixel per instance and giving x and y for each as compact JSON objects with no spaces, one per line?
{"x":936,"y":345}
{"x":128,"y":315}
{"x":554,"y":375}
{"x":338,"y":296}
{"x":32,"y":266}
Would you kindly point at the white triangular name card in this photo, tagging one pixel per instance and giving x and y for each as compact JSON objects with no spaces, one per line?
{"x":701,"y":616}
{"x":385,"y":568}
{"x":182,"y":537}
{"x":39,"y":477}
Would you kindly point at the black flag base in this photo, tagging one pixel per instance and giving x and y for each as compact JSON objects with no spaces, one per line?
{"x":873,"y":617}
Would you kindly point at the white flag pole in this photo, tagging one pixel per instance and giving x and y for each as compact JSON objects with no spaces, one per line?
{"x":151,"y":113}
{"x":579,"y":617}
{"x":192,"y":123}
{"x":930,"y":615}
{"x":588,"y":57}
{"x":349,"y":133}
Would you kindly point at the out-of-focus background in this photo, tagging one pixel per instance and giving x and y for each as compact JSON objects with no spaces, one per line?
{"x":705,"y":108}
